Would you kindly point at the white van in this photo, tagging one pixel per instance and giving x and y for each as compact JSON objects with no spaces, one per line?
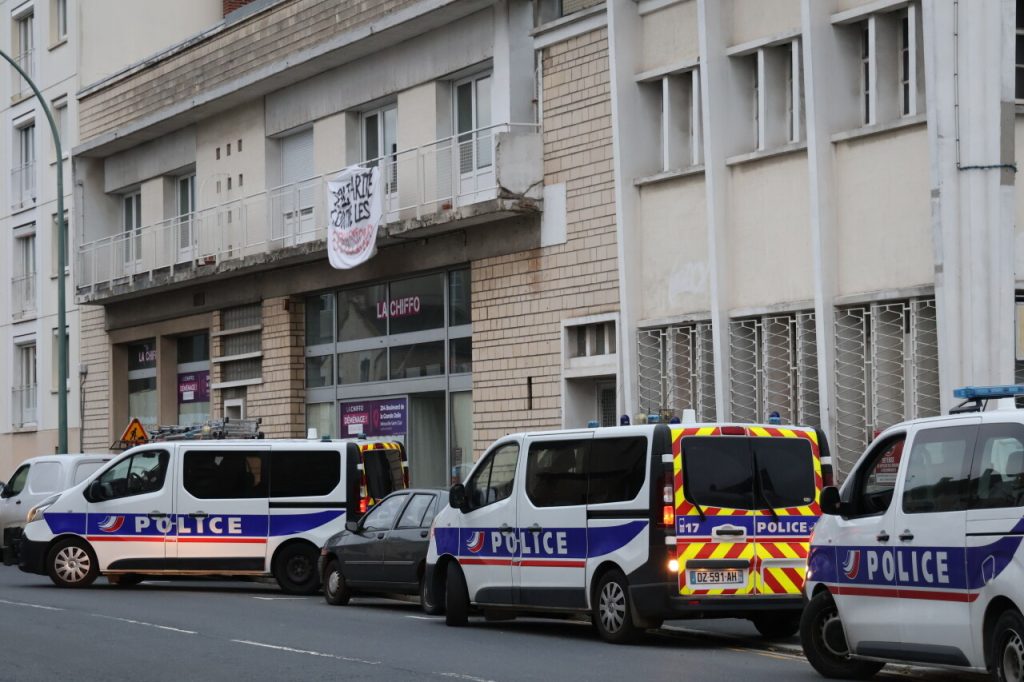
{"x":919,"y":557}
{"x":33,"y":481}
{"x":634,"y":525}
{"x":235,"y":508}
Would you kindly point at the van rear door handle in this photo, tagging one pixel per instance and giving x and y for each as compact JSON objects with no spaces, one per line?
{"x":199,"y":515}
{"x":505,"y":528}
{"x":906,"y":535}
{"x":882,"y":537}
{"x":535,"y":528}
{"x":156,"y":515}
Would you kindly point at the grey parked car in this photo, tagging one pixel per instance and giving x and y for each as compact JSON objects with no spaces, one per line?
{"x":385,"y":551}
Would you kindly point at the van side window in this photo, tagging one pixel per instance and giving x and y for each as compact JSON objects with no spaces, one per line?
{"x":304,"y":473}
{"x":555,"y":473}
{"x":492,"y":481}
{"x":224,"y":475}
{"x":997,"y":477}
{"x":17,"y":482}
{"x":143,"y":472}
{"x":876,"y":480}
{"x":938,"y":470}
{"x":617,"y":468}
{"x":718,"y":472}
{"x":44,"y":478}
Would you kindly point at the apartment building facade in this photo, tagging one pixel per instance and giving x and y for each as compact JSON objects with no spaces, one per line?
{"x":492,"y":301}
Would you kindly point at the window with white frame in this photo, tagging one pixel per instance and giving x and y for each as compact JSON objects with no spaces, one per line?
{"x":794,"y":95}
{"x":60,"y":117}
{"x":679,"y":133}
{"x":131,"y":206}
{"x":24,"y":385}
{"x":55,"y":244}
{"x":473,"y":123}
{"x":23,"y":280}
{"x":1019,"y":50}
{"x":58,"y":20}
{"x":380,"y":143}
{"x":867,"y":111}
{"x":676,"y":370}
{"x":23,"y":174}
{"x":589,"y":340}
{"x":55,"y":358}
{"x":890,"y":58}
{"x":773,"y":78}
{"x":24,"y":51}
{"x":756,"y":64}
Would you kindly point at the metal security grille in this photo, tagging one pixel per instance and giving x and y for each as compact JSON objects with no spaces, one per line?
{"x":677,"y":369}
{"x":886,"y":370}
{"x":774,"y":368}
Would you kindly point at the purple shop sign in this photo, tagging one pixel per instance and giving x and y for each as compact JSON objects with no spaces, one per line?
{"x":374,"y":417}
{"x":194,"y":387}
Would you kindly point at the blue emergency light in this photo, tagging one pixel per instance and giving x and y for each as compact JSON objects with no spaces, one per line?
{"x":989,"y":392}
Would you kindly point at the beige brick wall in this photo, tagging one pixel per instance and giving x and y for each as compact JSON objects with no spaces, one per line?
{"x":234,"y":53}
{"x":519,"y":300}
{"x":95,"y":353}
{"x":280,"y":399}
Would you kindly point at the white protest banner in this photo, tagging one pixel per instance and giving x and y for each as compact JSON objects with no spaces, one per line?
{"x":354,"y":207}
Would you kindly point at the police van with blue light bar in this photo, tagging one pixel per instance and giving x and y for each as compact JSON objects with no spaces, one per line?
{"x":918,"y":557}
{"x":221,"y":507}
{"x":634,"y":525}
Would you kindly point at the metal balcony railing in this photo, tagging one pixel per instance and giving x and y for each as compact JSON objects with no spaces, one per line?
{"x":454,"y":172}
{"x":23,"y":186}
{"x":27,"y":61}
{"x":23,"y":405}
{"x":23,"y":295}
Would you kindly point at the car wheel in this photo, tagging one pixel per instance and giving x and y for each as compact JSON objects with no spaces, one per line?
{"x":612,"y":615}
{"x":295,"y":569}
{"x":430,"y":606}
{"x":72,"y":563}
{"x":456,"y":597}
{"x":1007,"y":654}
{"x":336,"y":590}
{"x":824,"y":642}
{"x":778,"y":625}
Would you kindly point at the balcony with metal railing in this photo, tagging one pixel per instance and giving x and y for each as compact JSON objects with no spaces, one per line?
{"x":27,"y":61}
{"x":23,"y":406}
{"x":23,"y":295}
{"x":472,"y":178}
{"x":23,"y":186}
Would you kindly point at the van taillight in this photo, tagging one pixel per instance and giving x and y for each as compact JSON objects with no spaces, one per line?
{"x":668,"y":516}
{"x":733,"y":431}
{"x":363,"y":505}
{"x":827,"y":476}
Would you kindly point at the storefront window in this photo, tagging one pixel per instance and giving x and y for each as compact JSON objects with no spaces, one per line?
{"x":142,"y":396}
{"x":417,"y":360}
{"x":462,"y":436}
{"x":320,"y":371}
{"x":319,"y":319}
{"x":193,"y":378}
{"x":416,"y":304}
{"x":320,"y":416}
{"x":194,"y":348}
{"x":458,"y":298}
{"x":142,"y":356}
{"x":361,"y":366}
{"x":461,"y":356}
{"x":362,"y":313}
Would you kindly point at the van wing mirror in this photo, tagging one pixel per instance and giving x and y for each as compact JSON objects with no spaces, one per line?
{"x":831,"y":503}
{"x":457,"y":497}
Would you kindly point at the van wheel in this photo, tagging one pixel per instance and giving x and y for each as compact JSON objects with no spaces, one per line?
{"x":72,"y":563}
{"x":456,"y":597}
{"x":335,"y":588}
{"x":295,"y":569}
{"x":1007,"y":654}
{"x":430,"y":606}
{"x":824,"y":642}
{"x":612,"y":615}
{"x":777,"y":625}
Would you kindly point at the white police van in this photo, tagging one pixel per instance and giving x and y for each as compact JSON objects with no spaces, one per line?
{"x":233,"y":508}
{"x":919,"y":560}
{"x":633,"y":525}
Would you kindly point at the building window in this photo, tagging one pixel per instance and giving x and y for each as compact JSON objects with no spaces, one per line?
{"x":794,"y":92}
{"x":142,"y":394}
{"x":185,"y":187}
{"x":55,"y":243}
{"x":774,"y":369}
{"x":589,"y":340}
{"x":23,"y":175}
{"x":680,"y":133}
{"x":866,"y":84}
{"x":131,"y":205}
{"x":23,"y":279}
{"x":24,"y":398}
{"x":906,"y":102}
{"x":756,"y":64}
{"x":241,"y":345}
{"x":60,"y":117}
{"x":55,"y":359}
{"x":193,"y":378}
{"x":886,"y":370}
{"x":473,"y":123}
{"x":24,"y":53}
{"x":380,"y":143}
{"x":1019,"y":49}
{"x":676,"y":370}
{"x":59,"y":19}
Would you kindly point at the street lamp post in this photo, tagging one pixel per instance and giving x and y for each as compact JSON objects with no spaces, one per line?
{"x":62,"y":335}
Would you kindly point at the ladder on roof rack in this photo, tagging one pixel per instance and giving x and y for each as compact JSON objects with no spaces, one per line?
{"x":214,"y":429}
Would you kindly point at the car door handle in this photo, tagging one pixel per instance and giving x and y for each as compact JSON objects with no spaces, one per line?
{"x":505,"y":528}
{"x":156,"y":515}
{"x":18,"y":502}
{"x":380,"y":536}
{"x":424,"y":533}
{"x":882,"y":537}
{"x":199,"y":515}
{"x":535,"y":528}
{"x":906,"y":535}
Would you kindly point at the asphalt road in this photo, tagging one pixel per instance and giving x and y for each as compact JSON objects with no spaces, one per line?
{"x":207,"y":630}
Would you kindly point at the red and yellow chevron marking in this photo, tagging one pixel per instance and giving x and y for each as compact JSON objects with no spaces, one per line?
{"x":365,"y":447}
{"x":715,"y":550}
{"x":781,"y":567}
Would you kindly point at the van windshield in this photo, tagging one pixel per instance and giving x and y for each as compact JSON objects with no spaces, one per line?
{"x":719,"y":472}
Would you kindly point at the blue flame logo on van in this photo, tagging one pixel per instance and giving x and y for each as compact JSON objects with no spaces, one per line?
{"x":851,"y":567}
{"x":475,"y":542}
{"x":111,"y":524}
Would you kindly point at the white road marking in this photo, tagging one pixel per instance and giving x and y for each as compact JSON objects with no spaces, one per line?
{"x":148,"y":625}
{"x":33,"y":606}
{"x":303,"y":651}
{"x":460,"y":676}
{"x":281,"y":598}
{"x":422,"y":617}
